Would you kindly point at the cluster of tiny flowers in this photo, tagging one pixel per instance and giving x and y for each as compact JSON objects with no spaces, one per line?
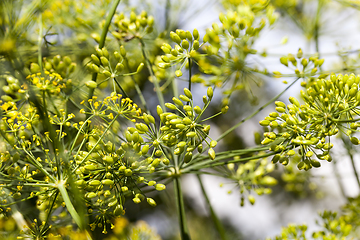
{"x":329,"y":105}
{"x":309,"y":67}
{"x":58,"y":64}
{"x":101,"y":64}
{"x":186,"y":47}
{"x":135,"y":26}
{"x":52,"y":82}
{"x":332,"y":227}
{"x":183,"y":129}
{"x":252,"y":177}
{"x":231,"y":45}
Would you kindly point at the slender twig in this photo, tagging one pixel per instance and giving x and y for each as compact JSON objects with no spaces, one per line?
{"x":137,"y":87}
{"x":154,"y":79}
{"x":217,"y":222}
{"x":184,"y":232}
{"x":70,"y":207}
{"x":103,"y":37}
{"x":348,"y":147}
{"x":190,"y":65}
{"x":338,"y":178}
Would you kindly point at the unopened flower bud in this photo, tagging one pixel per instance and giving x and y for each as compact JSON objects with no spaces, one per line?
{"x":211,"y":153}
{"x":91,"y":84}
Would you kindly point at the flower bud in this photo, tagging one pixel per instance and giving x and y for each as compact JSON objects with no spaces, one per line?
{"x":354,"y":140}
{"x":140,"y":67}
{"x":191,"y":134}
{"x":142,"y":127}
{"x":117,"y":56}
{"x":122,"y":51}
{"x":188,"y":157}
{"x":284,"y":61}
{"x":184,"y":98}
{"x":174,"y":37}
{"x":177,"y":101}
{"x":187,"y":93}
{"x":315,"y":163}
{"x":94,"y":183}
{"x":299,"y":54}
{"x":159,"y":110}
{"x":119,"y":67}
{"x":210,"y":92}
{"x":294,"y":101}
{"x":196,"y":45}
{"x":108,"y":159}
{"x":264,"y":123}
{"x":119,"y":210}
{"x":136,"y":200}
{"x":185,"y":44}
{"x":170,"y":106}
{"x":166,"y":49}
{"x":90,"y":195}
{"x":213,"y":143}
{"x":128,"y":172}
{"x":34,"y":68}
{"x":196,"y":34}
{"x":251,"y":199}
{"x":150,"y":21}
{"x":197,"y":110}
{"x":151,"y":202}
{"x":95,"y":59}
{"x":269,"y":181}
{"x":107,"y":182}
{"x":160,"y":187}
{"x":178,"y":73}
{"x":91,"y":84}
{"x":211,"y":153}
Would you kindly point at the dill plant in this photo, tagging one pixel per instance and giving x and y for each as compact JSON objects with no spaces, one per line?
{"x":79,"y":137}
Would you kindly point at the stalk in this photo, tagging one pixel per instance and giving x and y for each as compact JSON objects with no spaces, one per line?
{"x":155,"y":81}
{"x":338,"y":178}
{"x":190,"y":65}
{"x":184,"y":232}
{"x":70,"y":207}
{"x":103,"y":37}
{"x":137,"y":88}
{"x":349,"y":151}
{"x":217,"y":222}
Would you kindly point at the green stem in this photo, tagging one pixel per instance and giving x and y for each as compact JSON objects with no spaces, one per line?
{"x":317,"y":27}
{"x":121,"y":89}
{"x":348,"y":147}
{"x":189,"y":61}
{"x":167,"y":12}
{"x":256,"y":112}
{"x":217,"y":222}
{"x":103,"y":37}
{"x":155,"y":80}
{"x":174,"y":87}
{"x":40,"y":43}
{"x":137,"y":88}
{"x":70,"y":207}
{"x":345,"y":121}
{"x":214,"y":163}
{"x":50,"y":210}
{"x":184,"y":232}
{"x":338,"y":178}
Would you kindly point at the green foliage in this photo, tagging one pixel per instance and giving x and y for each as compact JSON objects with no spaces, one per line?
{"x":81,"y":133}
{"x":332,"y":227}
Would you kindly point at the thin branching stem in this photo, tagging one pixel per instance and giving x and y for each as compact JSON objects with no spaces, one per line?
{"x":154,"y":78}
{"x":216,"y":220}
